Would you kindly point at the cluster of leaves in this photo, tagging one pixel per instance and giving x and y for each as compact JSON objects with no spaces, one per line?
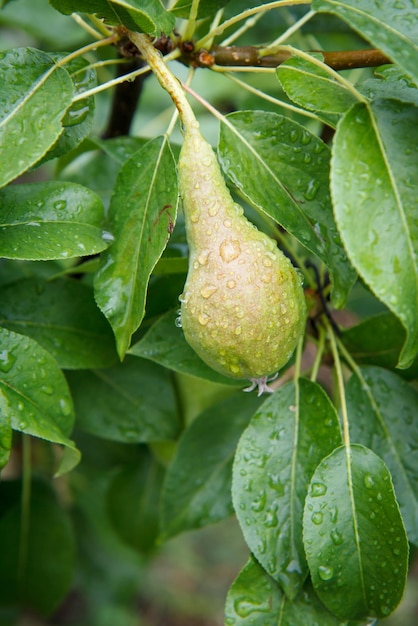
{"x":91,"y":359}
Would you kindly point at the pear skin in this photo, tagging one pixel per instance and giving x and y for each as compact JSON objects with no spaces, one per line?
{"x":242,"y":308}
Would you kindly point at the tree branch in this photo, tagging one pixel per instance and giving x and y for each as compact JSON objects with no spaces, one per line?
{"x":248,"y":56}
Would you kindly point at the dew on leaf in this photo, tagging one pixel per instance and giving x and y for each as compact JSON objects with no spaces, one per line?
{"x":317,"y":518}
{"x":7,"y":360}
{"x":325,"y":572}
{"x":318,"y":489}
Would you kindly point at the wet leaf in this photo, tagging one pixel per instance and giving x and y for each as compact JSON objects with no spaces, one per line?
{"x":5,"y":431}
{"x":383,"y":409}
{"x":61,"y":316}
{"x":197,"y":488}
{"x":314,"y":88}
{"x":142,"y":214}
{"x":294,"y":167}
{"x":276,"y":456}
{"x":389,"y":26}
{"x":38,"y":399}
{"x":51,"y":220}
{"x":130,"y":402}
{"x":390,"y":82}
{"x":147,"y":15}
{"x":78,"y":119}
{"x":34,"y":97}
{"x":255,"y":599}
{"x":354,"y":537}
{"x":374,"y":183}
{"x":165,"y":344}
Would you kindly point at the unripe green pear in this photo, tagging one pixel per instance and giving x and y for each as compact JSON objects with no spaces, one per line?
{"x":242,"y":308}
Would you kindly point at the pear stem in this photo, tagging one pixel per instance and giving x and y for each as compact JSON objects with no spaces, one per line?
{"x":166,"y":79}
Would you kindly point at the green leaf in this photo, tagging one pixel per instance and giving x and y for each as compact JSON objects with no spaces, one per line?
{"x":148,"y":15}
{"x":165,"y":344}
{"x":390,"y":82}
{"x":374,"y":182}
{"x":383,"y":409}
{"x":5,"y":429}
{"x":207,"y":8}
{"x":38,"y":399}
{"x":314,"y":88}
{"x":63,"y":317}
{"x":197,"y":488}
{"x":34,"y":98}
{"x":354,"y":538}
{"x":276,"y":457}
{"x":50,"y":220}
{"x":388,"y":26}
{"x":142,"y":213}
{"x":378,"y":340}
{"x":294,"y":167}
{"x":78,"y":119}
{"x":39,"y":576}
{"x":255,"y":599}
{"x":129,"y":402}
{"x":133,"y":502}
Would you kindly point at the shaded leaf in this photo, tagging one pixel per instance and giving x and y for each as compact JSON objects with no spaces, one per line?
{"x":197,"y":488}
{"x":389,"y":27}
{"x":293,"y":165}
{"x":374,"y":184}
{"x":383,"y":409}
{"x":165,"y":344}
{"x":378,"y":340}
{"x":41,"y":579}
{"x":133,"y":502}
{"x":38,"y":398}
{"x":5,"y":429}
{"x":314,"y":88}
{"x":63,"y":317}
{"x":51,"y":220}
{"x":148,"y":15}
{"x":34,"y":97}
{"x":277,"y":454}
{"x":354,"y":538}
{"x":142,"y":213}
{"x":130,"y":402}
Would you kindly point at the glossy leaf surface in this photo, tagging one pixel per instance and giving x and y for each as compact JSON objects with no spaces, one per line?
{"x":255,"y":599}
{"x":79,"y":117}
{"x":275,"y":459}
{"x":38,"y":398}
{"x":34,"y":97}
{"x":383,"y":411}
{"x":197,"y":488}
{"x":293,"y":165}
{"x":390,"y":82}
{"x":51,"y":220}
{"x":130,"y":402}
{"x":314,"y":88}
{"x":354,"y":537}
{"x":390,"y":26}
{"x":147,"y":15}
{"x":61,"y":316}
{"x":165,"y":344}
{"x":374,"y":181}
{"x":142,"y":214}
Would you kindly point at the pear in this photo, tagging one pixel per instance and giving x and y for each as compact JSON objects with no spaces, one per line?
{"x":242,"y":308}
